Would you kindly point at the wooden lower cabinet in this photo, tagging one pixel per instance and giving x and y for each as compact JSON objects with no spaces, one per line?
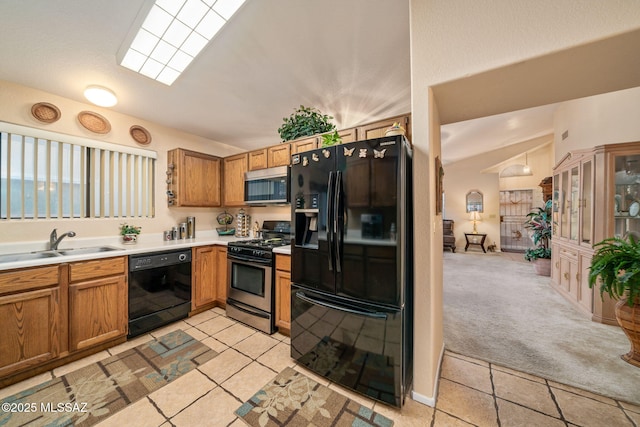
{"x":283,"y":293}
{"x":97,"y":312}
{"x":221,"y":276}
{"x":97,"y":302}
{"x":29,"y":334}
{"x":209,"y":278}
{"x":570,"y":277}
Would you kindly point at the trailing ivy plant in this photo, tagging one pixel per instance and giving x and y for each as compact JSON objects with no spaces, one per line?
{"x":305,"y":121}
{"x":617,"y":263}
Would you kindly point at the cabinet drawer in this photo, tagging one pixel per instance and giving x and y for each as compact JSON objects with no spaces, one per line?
{"x":569,"y":253}
{"x":85,"y":270}
{"x":28,"y":279}
{"x":283,"y":262}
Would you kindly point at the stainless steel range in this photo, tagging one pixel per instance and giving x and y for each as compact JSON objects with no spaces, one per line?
{"x":251,"y":288}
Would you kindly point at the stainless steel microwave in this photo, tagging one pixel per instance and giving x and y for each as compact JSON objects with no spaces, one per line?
{"x":267,"y":186}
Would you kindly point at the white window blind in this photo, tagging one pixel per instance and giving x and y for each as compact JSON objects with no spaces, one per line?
{"x":49,"y":175}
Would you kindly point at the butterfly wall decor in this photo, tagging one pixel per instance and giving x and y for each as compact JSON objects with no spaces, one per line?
{"x":348,"y":152}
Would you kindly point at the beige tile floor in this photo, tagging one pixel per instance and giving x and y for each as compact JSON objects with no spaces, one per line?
{"x":471,"y":392}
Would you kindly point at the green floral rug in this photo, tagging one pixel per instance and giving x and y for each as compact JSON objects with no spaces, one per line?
{"x":293,"y":399}
{"x":97,"y":391}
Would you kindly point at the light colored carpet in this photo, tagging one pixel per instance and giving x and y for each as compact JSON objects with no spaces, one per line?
{"x":498,"y":310}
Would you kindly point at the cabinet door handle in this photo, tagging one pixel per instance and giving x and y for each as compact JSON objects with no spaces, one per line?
{"x":577,"y":277}
{"x":557,"y":264}
{"x":566,"y":276}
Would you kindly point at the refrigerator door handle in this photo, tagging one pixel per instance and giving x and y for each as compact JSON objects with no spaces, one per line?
{"x":372,"y":314}
{"x":330,"y":195}
{"x":337,"y":229}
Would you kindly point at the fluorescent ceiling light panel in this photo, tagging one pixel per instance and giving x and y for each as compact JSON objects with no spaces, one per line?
{"x":227,"y":8}
{"x":172,"y":34}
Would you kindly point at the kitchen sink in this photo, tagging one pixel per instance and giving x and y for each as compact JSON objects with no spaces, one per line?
{"x":28,"y":256}
{"x":88,"y":250}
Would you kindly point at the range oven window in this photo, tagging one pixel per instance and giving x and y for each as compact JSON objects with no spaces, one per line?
{"x":248,"y":278}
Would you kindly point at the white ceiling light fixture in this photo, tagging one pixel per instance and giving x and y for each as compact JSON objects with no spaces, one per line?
{"x":169,"y":34}
{"x":100,"y":96}
{"x":526,"y":169}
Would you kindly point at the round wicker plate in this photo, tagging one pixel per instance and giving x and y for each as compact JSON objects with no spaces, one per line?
{"x":45,"y":112}
{"x":140,"y":134}
{"x":94,"y":122}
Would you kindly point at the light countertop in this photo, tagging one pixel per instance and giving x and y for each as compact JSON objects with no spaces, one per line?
{"x":146,"y":243}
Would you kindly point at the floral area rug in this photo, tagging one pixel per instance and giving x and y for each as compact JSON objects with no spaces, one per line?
{"x":97,"y":391}
{"x":293,"y":399}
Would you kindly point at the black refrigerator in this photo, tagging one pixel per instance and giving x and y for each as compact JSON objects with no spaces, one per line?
{"x":352,"y":265}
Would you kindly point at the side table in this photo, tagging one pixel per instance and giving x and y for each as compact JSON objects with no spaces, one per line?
{"x":475,"y":239}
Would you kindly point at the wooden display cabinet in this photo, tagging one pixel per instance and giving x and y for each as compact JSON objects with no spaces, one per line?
{"x":594,"y":192}
{"x":193,"y":179}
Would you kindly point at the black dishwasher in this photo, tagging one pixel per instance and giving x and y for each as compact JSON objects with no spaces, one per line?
{"x":159,"y":289}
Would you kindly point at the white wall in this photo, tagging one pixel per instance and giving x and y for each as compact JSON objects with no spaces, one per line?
{"x":451,"y":40}
{"x":482,"y":173}
{"x":15,"y":107}
{"x":596,"y":120}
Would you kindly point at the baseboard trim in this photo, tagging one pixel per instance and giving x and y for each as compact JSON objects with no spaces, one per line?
{"x":426,"y":400}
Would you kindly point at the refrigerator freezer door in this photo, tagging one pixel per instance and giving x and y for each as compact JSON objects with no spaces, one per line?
{"x":357,"y":346}
{"x":369,"y":214}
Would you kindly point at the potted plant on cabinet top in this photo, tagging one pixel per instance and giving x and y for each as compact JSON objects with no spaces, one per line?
{"x":129,"y":233}
{"x":539,"y":223}
{"x":617,"y":263}
{"x":305,"y":121}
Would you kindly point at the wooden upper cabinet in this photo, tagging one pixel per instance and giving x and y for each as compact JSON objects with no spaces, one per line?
{"x":258,"y":159}
{"x":195,"y":178}
{"x":233,"y":172}
{"x":377,"y":129}
{"x":306,"y":144}
{"x":348,"y":135}
{"x":279,"y":155}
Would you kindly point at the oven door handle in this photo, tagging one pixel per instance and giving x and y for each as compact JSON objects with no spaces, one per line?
{"x":266,"y":262}
{"x":367,"y":313}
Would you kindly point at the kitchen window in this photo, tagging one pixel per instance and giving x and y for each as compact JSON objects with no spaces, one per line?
{"x":48,"y":175}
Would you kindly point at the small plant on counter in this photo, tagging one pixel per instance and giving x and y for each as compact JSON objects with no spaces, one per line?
{"x":305,"y":121}
{"x":129,"y":229}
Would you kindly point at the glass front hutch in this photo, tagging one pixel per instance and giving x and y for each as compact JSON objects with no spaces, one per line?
{"x":596,"y":195}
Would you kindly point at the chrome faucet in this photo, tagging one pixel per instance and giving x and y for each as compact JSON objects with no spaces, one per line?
{"x":54,"y":240}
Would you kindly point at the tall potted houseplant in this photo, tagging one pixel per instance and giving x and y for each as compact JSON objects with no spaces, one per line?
{"x":617,"y":263}
{"x":539,"y":224}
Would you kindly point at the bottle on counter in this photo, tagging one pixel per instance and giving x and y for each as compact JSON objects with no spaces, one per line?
{"x":392,"y":231}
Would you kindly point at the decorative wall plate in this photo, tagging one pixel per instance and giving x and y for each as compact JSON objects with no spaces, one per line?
{"x":140,"y":134}
{"x":634,"y":209}
{"x":45,"y":112}
{"x":94,"y":122}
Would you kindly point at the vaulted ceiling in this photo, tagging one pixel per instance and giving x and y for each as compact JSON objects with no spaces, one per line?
{"x":350,"y":59}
